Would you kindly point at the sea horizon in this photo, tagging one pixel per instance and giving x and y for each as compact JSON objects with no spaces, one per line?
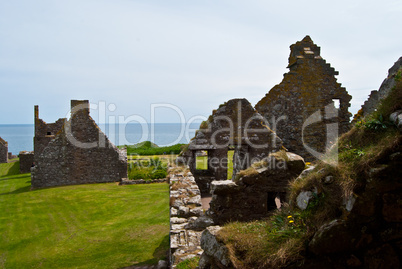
{"x":20,"y":136}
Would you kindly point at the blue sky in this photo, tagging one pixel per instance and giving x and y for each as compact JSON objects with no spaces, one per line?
{"x":193,"y":55}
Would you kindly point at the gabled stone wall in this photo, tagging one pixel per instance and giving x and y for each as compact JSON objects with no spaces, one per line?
{"x":76,"y":154}
{"x":303,"y":106}
{"x":237,"y":126}
{"x":3,"y":151}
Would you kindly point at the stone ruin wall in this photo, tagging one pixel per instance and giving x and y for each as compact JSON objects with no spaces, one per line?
{"x":255,"y":194}
{"x":26,"y":161}
{"x":45,"y":132}
{"x":77,"y":153}
{"x":375,"y":97}
{"x":303,"y":105}
{"x":3,"y":151}
{"x":234,"y":125}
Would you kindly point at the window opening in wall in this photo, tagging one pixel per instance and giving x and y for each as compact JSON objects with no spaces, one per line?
{"x":201,"y":160}
{"x":48,"y":133}
{"x":337,"y":103}
{"x":230,"y":163}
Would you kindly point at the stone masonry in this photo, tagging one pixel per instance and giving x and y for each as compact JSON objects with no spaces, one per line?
{"x":376,"y":96}
{"x":257,"y":191}
{"x":187,"y":219}
{"x":309,"y":107}
{"x":235,"y":125}
{"x":26,"y":161}
{"x":75,"y":151}
{"x":3,"y":151}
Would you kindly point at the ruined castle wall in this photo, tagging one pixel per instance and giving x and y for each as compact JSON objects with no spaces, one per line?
{"x":303,"y":106}
{"x":234,"y":125}
{"x":45,"y":132}
{"x":375,"y":97}
{"x":79,"y":153}
{"x":3,"y":151}
{"x":252,"y":196}
{"x":26,"y":161}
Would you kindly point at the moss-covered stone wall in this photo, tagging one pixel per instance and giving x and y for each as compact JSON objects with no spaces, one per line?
{"x":78,"y":153}
{"x":303,"y":107}
{"x":234,"y":125}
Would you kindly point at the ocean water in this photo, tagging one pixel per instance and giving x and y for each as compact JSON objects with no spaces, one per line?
{"x":20,"y":136}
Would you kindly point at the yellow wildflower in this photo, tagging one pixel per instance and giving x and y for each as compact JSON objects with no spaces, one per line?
{"x":291,"y":221}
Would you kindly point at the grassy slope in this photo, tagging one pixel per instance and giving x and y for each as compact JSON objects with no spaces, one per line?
{"x":11,"y":168}
{"x":83,"y":226}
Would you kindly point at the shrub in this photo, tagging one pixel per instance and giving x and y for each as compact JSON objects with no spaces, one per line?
{"x":159,"y":173}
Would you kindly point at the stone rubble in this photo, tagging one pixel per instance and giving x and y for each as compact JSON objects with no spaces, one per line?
{"x":187,"y":218}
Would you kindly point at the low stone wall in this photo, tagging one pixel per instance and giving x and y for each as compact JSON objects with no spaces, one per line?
{"x":141,"y":181}
{"x":187,"y":218}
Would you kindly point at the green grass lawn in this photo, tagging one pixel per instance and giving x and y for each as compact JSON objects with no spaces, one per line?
{"x":81,"y":226}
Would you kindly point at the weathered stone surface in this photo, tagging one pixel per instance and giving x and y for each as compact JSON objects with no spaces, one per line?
{"x":3,"y":151}
{"x":396,"y":118}
{"x":234,"y":125}
{"x":186,"y":218}
{"x":302,"y":106}
{"x":183,"y":211}
{"x":349,"y":202}
{"x":303,"y":199}
{"x":26,"y":161}
{"x":223,"y":187}
{"x":213,"y":248}
{"x":75,"y":151}
{"x":257,"y":191}
{"x":195,"y":200}
{"x":200,"y":223}
{"x":197,"y":211}
{"x":375,"y":97}
{"x":175,"y":220}
{"x":333,"y":237}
